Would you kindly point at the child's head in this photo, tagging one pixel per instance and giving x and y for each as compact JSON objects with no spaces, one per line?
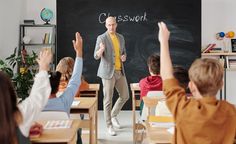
{"x":65,"y":67}
{"x":54,"y":81}
{"x":10,"y":115}
{"x":181,"y":74}
{"x":207,"y":76}
{"x":153,"y":63}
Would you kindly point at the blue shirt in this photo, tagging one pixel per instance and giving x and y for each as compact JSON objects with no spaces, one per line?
{"x":64,"y":102}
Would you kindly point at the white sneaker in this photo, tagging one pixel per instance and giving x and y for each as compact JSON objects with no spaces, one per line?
{"x":115,"y":122}
{"x":111,"y":131}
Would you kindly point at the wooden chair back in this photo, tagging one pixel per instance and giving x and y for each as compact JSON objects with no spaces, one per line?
{"x":150,"y":102}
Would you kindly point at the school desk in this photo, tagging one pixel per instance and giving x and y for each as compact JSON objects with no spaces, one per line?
{"x":91,"y":92}
{"x":88,"y":105}
{"x":58,"y":136}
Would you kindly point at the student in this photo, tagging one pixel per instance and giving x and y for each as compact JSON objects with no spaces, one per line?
{"x":15,"y":121}
{"x":202,"y":119}
{"x":65,"y":67}
{"x":152,"y":82}
{"x":181,"y":75}
{"x":64,"y":102}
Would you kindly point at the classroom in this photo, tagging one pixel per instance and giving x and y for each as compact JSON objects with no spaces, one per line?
{"x":83,"y":106}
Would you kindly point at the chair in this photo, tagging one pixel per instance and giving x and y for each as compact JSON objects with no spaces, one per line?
{"x":158,"y":133}
{"x":150,"y":102}
{"x":160,"y":109}
{"x":137,"y":127}
{"x":156,"y":94}
{"x":53,"y":115}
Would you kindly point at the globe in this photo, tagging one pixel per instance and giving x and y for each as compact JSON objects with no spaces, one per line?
{"x":46,"y":15}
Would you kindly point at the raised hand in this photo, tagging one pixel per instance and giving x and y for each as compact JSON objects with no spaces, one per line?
{"x":164,"y":33}
{"x":44,"y":59}
{"x":166,"y":64}
{"x":78,"y":44}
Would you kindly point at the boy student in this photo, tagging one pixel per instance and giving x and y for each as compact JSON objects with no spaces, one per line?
{"x":202,"y":119}
{"x":181,"y":75}
{"x":64,"y":102}
{"x":152,"y":82}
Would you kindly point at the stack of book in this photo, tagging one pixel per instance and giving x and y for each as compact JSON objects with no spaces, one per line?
{"x":212,"y":49}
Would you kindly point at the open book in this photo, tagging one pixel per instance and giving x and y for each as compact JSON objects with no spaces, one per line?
{"x":58,"y":124}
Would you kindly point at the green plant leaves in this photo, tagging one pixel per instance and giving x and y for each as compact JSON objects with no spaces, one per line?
{"x":24,"y":77}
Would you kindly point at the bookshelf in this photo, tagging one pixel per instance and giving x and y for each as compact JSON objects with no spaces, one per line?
{"x":40,"y":36}
{"x":226,"y":59}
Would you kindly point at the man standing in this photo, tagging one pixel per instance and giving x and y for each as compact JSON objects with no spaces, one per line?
{"x":110,"y":48}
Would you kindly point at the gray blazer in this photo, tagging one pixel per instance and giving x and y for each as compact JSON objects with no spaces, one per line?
{"x":107,"y":63}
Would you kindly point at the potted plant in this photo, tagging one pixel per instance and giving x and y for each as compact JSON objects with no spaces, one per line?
{"x":26,"y":68}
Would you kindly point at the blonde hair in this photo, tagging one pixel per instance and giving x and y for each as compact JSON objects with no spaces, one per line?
{"x":65,"y":67}
{"x":207,"y":74}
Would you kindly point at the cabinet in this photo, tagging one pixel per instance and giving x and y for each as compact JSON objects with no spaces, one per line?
{"x":35,"y":37}
{"x":228,"y":61}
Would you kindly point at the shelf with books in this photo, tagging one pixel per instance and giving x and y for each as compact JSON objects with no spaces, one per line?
{"x":228,"y":61}
{"x":34,"y":37}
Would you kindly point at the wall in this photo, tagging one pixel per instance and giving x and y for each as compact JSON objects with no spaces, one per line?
{"x":217,"y":16}
{"x":34,"y":7}
{"x":11,"y":12}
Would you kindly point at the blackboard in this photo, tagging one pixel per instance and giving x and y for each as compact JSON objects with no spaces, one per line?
{"x":137,"y":21}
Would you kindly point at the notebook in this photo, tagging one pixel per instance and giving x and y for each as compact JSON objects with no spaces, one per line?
{"x":58,"y":124}
{"x":75,"y":103}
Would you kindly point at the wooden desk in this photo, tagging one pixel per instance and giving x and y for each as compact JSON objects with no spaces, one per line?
{"x":157,"y":135}
{"x":58,"y":136}
{"x":88,"y":105}
{"x":91,"y":92}
{"x":135,"y":103}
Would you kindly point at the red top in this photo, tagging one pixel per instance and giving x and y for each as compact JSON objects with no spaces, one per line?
{"x":150,"y":83}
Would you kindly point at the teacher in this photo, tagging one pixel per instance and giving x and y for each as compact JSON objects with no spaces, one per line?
{"x":110,"y":49}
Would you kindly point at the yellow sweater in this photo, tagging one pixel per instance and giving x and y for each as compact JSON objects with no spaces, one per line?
{"x":204,"y":121}
{"x":116,"y":46}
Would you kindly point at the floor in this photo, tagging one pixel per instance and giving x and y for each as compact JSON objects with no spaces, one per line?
{"x":124,"y":135}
